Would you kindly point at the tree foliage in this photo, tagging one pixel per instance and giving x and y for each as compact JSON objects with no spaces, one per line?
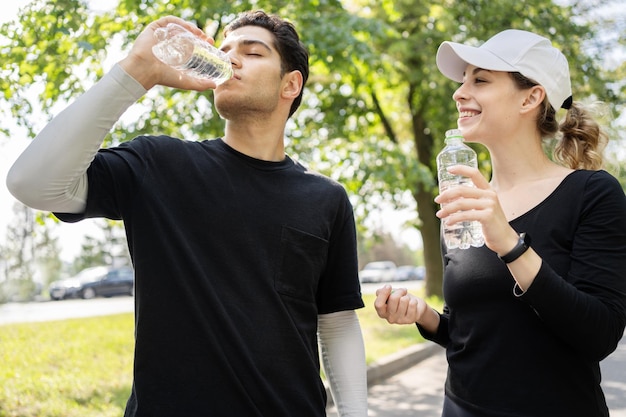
{"x":375,"y":108}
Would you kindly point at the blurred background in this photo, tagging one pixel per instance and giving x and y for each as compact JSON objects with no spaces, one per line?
{"x":373,"y":116}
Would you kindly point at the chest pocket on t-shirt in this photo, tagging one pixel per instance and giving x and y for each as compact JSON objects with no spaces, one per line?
{"x":301,"y":261}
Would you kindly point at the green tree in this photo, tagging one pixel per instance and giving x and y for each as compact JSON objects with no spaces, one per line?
{"x":47,"y":251}
{"x":375,"y":108}
{"x":110,"y":248}
{"x":30,"y":260}
{"x":18,"y":255}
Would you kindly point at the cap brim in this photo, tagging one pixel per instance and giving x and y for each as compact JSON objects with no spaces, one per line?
{"x":453,"y":58}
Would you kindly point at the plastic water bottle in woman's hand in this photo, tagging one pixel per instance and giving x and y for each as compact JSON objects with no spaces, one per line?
{"x":461,"y":235}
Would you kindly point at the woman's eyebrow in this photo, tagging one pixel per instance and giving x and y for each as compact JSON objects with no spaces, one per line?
{"x":476,"y":71}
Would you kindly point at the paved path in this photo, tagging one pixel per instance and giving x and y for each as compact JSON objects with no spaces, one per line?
{"x":614,"y":380}
{"x":65,"y":309}
{"x":418,"y":391}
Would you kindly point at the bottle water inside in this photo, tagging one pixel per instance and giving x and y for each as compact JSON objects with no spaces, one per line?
{"x":191,"y":55}
{"x":464,"y":234}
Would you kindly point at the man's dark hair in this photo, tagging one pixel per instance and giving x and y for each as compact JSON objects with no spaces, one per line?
{"x":293,"y":53}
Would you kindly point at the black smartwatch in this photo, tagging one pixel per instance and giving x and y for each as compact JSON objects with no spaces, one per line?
{"x":522,"y":246}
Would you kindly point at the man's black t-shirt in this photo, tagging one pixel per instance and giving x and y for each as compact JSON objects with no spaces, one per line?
{"x":234,"y":259}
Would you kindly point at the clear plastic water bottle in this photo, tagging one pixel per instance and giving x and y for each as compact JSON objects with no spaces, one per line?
{"x":191,"y":55}
{"x":464,"y":234}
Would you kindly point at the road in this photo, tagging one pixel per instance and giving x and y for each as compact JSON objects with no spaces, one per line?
{"x":61,"y":310}
{"x":370,"y":288}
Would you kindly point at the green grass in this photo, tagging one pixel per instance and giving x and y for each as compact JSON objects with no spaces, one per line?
{"x":70,"y":368}
{"x":83,"y":367}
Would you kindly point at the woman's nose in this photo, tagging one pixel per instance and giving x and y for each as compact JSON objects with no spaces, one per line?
{"x":459,"y":94}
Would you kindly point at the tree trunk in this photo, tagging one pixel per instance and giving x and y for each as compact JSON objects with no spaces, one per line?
{"x":430,"y":230}
{"x":424,"y":194}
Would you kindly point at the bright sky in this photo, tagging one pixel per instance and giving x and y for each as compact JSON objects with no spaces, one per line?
{"x":10,"y":8}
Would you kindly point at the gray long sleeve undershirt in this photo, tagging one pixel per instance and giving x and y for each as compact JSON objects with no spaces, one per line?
{"x":51,"y":174}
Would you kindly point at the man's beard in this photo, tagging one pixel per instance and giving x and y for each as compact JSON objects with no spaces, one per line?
{"x":232,"y":107}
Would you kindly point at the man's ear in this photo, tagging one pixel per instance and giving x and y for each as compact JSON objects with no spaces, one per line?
{"x":292,"y":84}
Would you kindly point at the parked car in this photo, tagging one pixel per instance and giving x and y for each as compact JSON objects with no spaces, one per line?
{"x":380,"y":271}
{"x":93,"y":282}
{"x":410,"y":273}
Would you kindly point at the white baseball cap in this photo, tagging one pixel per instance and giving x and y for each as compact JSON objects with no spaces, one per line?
{"x":512,"y":51}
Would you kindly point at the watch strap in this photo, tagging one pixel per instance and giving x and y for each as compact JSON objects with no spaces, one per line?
{"x":522,"y":246}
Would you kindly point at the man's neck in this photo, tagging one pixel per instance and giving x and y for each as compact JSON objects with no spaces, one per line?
{"x":257,"y":140}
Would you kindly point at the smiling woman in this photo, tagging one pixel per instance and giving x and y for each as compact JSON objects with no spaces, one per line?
{"x":552,"y":289}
